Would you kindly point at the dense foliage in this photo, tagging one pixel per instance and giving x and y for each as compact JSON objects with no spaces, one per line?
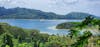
{"x":12,"y":36}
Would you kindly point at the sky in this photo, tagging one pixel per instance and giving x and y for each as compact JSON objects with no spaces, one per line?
{"x":57,"y":6}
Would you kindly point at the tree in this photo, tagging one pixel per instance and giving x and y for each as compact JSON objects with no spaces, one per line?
{"x":73,"y":33}
{"x":87,"y":21}
{"x":7,"y":40}
{"x":83,"y":40}
{"x":1,"y":30}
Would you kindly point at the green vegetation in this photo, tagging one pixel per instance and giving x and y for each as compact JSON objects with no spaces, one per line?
{"x":24,"y":13}
{"x":12,"y":36}
{"x":87,"y":22}
{"x":67,"y":25}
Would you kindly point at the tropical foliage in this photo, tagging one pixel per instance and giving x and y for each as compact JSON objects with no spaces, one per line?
{"x":12,"y":36}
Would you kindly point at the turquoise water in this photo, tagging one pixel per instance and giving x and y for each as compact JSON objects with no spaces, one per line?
{"x":45,"y":26}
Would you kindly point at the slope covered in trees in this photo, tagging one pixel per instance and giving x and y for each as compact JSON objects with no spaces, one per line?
{"x":24,"y":13}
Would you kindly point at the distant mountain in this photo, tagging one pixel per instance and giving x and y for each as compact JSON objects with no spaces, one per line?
{"x":78,"y":15}
{"x":23,"y":13}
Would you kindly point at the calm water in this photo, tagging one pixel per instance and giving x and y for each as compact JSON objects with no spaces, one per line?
{"x":45,"y":26}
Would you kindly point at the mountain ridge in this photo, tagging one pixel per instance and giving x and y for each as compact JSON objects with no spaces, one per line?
{"x":24,"y":13}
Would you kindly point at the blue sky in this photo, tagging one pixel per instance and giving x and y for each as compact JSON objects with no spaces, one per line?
{"x":56,"y":6}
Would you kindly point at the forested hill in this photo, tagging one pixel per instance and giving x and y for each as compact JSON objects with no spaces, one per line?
{"x":23,"y":13}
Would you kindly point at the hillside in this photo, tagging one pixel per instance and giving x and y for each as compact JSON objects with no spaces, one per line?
{"x":67,"y":25}
{"x":78,"y":15}
{"x":13,"y":30}
{"x":23,"y":13}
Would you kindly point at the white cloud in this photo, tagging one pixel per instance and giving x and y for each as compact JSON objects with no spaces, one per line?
{"x":70,"y":1}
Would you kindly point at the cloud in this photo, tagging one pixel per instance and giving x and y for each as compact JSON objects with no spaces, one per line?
{"x":70,"y":1}
{"x":52,"y":28}
{"x":79,"y":6}
{"x":93,"y":0}
{"x":65,"y":1}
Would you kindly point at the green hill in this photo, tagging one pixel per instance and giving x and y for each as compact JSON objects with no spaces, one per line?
{"x":24,"y":13}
